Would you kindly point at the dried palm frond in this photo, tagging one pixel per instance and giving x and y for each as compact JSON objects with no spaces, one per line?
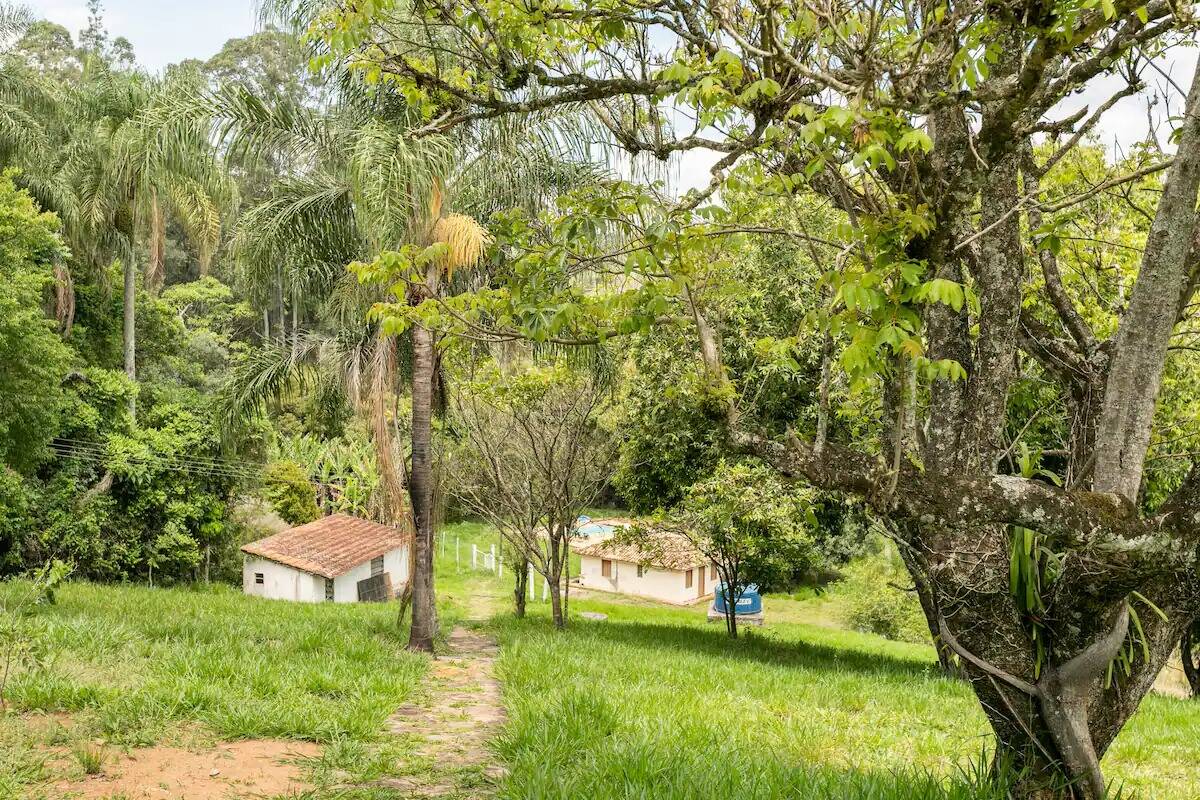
{"x":465,"y":239}
{"x":64,"y":298}
{"x":156,"y":267}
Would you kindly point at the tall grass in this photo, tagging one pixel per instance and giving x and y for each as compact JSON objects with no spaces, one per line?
{"x":132,"y":660}
{"x":652,"y":703}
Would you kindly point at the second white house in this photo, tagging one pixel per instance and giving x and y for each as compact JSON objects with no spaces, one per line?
{"x":673,"y":571}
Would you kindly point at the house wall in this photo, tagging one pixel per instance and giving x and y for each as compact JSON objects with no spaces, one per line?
{"x":345,"y":587}
{"x":281,"y":582}
{"x":655,"y":583}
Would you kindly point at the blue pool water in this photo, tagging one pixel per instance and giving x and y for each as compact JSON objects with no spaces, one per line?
{"x":585,"y":528}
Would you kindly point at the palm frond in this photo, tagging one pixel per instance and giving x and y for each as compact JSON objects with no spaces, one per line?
{"x":64,"y":299}
{"x":14,"y":20}
{"x":308,"y":226}
{"x":395,"y":177}
{"x":195,"y":209}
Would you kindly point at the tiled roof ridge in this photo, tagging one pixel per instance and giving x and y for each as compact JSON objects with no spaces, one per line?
{"x":675,"y":552}
{"x":329,"y":546}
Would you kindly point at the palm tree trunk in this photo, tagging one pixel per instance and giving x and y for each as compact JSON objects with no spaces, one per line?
{"x":128,"y":336}
{"x":295,"y":321}
{"x":280,"y":313}
{"x":424,"y":611}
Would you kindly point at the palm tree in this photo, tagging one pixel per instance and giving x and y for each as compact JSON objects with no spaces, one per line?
{"x":360,"y":186}
{"x":87,"y":152}
{"x":127,"y":177}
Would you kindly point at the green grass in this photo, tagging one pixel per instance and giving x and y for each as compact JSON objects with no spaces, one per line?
{"x":89,"y":757}
{"x":132,"y":666}
{"x":652,"y":703}
{"x":133,"y":660}
{"x":656,"y":703}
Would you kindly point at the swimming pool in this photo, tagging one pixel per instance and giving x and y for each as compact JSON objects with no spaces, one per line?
{"x":585,"y":528}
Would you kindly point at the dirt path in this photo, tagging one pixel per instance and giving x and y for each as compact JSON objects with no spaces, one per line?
{"x":461,"y":711}
{"x":248,"y":768}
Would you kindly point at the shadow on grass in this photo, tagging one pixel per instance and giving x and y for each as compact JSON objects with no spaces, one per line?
{"x":755,"y":648}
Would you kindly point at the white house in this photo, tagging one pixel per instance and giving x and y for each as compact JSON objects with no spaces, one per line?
{"x":338,"y":558}
{"x":674,"y":571}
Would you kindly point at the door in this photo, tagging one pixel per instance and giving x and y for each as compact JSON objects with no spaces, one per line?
{"x":702,"y":592}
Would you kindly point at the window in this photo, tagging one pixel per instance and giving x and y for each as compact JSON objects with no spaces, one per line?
{"x":641,"y":570}
{"x":687,"y":579}
{"x":713,"y":572}
{"x":376,"y":566}
{"x":258,"y":578}
{"x":605,"y":568}
{"x":329,"y":590}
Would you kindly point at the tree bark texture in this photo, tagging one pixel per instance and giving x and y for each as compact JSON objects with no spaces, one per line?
{"x":128,"y":329}
{"x":424,"y":610}
{"x":1187,"y":654}
{"x":1139,"y":358}
{"x":1054,"y":712}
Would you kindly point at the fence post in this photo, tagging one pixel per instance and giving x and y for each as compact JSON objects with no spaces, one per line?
{"x":530,"y":582}
{"x":474,"y":555}
{"x":545,"y":589}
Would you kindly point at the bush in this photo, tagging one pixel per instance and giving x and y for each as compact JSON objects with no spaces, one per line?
{"x":873,"y":604}
{"x":291,"y":494}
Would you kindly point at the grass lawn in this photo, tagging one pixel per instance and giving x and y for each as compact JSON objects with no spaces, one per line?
{"x":132,"y":666}
{"x":652,"y":703}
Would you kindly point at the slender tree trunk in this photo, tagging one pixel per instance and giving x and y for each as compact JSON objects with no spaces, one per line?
{"x":424,"y":610}
{"x":730,"y":611}
{"x":554,"y":578}
{"x":280,"y":313}
{"x":566,"y":579}
{"x":128,"y":334}
{"x":295,"y":322}
{"x":520,"y":585}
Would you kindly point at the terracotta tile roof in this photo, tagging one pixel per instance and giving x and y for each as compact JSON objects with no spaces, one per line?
{"x":330,"y":546}
{"x":668,"y":550}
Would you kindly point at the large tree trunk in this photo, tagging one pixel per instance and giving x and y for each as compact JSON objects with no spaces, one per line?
{"x":424,"y":610}
{"x":1135,"y":375}
{"x":128,"y":335}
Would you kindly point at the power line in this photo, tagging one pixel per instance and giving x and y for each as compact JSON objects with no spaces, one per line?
{"x":251,"y":473}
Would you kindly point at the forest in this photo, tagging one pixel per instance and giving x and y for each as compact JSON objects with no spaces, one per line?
{"x":430,"y":262}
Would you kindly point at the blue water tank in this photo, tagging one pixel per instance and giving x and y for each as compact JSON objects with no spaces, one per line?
{"x":748,"y":602}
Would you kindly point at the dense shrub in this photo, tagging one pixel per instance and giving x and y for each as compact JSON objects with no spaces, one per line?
{"x":287,"y":487}
{"x":872,"y":603}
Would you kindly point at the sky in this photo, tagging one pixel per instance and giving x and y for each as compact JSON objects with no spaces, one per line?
{"x":165,"y":32}
{"x":162,"y":31}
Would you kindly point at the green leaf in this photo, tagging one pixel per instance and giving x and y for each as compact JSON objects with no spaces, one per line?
{"x":914,"y":139}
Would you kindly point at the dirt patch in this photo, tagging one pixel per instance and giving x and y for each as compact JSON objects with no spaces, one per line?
{"x":253,"y":768}
{"x":452,"y":728}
